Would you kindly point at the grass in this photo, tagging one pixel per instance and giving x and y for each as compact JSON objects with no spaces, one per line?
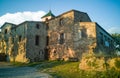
{"x":117,"y":63}
{"x":61,"y":69}
{"x":19,"y":64}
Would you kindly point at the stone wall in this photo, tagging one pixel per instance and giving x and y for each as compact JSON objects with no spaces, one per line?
{"x":64,"y":37}
{"x":36,"y":52}
{"x":1,"y":46}
{"x":81,"y":17}
{"x":91,"y":62}
{"x":61,"y":24}
{"x":105,"y":42}
{"x":6,"y":39}
{"x":18,"y":40}
{"x":84,"y":38}
{"x":76,"y":39}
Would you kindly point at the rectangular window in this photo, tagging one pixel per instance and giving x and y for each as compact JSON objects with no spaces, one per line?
{"x":61,"y":22}
{"x":79,"y":34}
{"x":47,"y":40}
{"x":47,"y":26}
{"x":5,"y":31}
{"x":37,"y":26}
{"x":101,"y":38}
{"x":12,"y":40}
{"x":37,"y":40}
{"x":20,"y":38}
{"x":62,"y":37}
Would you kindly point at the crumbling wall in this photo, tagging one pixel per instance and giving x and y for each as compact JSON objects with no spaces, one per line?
{"x":5,"y":39}
{"x":79,"y":37}
{"x":92,"y":62}
{"x":84,"y":38}
{"x":81,"y":17}
{"x":20,"y":52}
{"x":105,"y":42}
{"x":36,"y":52}
{"x":60,"y":25}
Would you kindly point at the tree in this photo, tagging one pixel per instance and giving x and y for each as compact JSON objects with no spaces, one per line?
{"x":116,"y":36}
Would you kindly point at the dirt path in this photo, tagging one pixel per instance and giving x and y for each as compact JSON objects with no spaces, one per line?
{"x":5,"y":65}
{"x":8,"y":71}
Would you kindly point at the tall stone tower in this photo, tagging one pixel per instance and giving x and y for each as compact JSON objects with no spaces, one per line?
{"x":45,"y":19}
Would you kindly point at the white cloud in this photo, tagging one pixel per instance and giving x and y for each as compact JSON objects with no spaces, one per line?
{"x":19,"y":17}
{"x":114,"y":30}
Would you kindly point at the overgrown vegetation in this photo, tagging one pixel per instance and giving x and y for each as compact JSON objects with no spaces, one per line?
{"x":116,"y":36}
{"x":117,"y":63}
{"x":62,"y":69}
{"x":19,"y":64}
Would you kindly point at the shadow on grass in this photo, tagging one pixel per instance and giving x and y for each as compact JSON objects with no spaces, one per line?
{"x":49,"y":64}
{"x":40,"y":65}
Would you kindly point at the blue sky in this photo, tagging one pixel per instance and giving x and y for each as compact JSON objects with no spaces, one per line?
{"x":105,"y":12}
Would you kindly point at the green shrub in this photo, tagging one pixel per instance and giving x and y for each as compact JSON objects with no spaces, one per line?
{"x":93,"y":64}
{"x":117,"y":63}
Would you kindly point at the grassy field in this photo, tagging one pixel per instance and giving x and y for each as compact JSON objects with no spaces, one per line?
{"x":61,"y":69}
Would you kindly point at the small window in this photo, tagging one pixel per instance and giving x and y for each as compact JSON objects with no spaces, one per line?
{"x":61,"y":22}
{"x":37,"y":40}
{"x":54,"y":51}
{"x":62,"y":37}
{"x":47,"y":26}
{"x":47,"y":40}
{"x":13,"y":40}
{"x":79,"y":34}
{"x":80,"y":20}
{"x":46,"y":19}
{"x":5,"y":31}
{"x":20,"y":38}
{"x":105,"y":38}
{"x":12,"y":49}
{"x":37,"y":26}
{"x":42,"y":52}
{"x":101,"y":38}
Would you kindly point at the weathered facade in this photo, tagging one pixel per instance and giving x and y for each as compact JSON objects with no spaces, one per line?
{"x":63,"y":37}
{"x":24,"y":42}
{"x":73,"y":33}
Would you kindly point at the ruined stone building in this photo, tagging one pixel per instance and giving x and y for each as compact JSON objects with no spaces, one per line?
{"x":25,"y":41}
{"x":62,"y":37}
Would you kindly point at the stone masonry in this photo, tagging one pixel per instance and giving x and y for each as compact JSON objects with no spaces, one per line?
{"x":63,"y":37}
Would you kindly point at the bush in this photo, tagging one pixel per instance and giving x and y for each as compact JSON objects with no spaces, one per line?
{"x":117,"y":63}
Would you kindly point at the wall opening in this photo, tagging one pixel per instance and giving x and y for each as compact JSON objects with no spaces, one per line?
{"x":20,"y":38}
{"x":37,"y":26}
{"x":5,"y":31}
{"x":62,"y":36}
{"x":37,"y":40}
